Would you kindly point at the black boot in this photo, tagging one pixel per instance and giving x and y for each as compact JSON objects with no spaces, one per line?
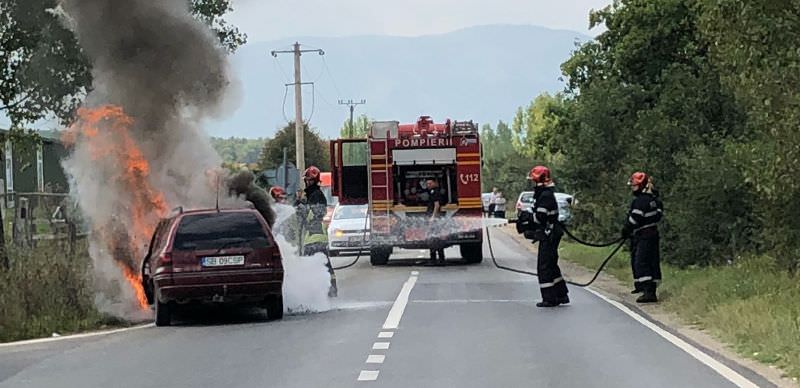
{"x":563,"y":300}
{"x":648,"y":296}
{"x":547,"y":303}
{"x":636,"y":291}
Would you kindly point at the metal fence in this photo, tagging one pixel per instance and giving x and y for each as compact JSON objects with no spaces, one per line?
{"x":36,"y":217}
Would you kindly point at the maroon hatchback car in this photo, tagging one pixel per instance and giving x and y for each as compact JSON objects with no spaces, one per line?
{"x":216,"y":256}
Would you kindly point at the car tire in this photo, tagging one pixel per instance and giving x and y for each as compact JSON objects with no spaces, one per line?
{"x":163,"y":314}
{"x":379,"y":256}
{"x":274,"y":306}
{"x":472,"y":253}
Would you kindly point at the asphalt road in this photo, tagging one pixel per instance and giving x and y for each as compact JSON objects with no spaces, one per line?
{"x":462,"y":326}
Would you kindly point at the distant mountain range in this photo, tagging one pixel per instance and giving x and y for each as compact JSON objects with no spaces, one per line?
{"x":481,"y":73}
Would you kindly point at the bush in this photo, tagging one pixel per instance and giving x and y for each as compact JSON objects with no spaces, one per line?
{"x":46,"y":291}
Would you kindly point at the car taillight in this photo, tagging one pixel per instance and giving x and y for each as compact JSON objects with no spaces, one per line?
{"x":165,"y":259}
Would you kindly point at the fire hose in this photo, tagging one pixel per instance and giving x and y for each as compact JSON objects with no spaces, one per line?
{"x":363,"y":239}
{"x":621,"y":242}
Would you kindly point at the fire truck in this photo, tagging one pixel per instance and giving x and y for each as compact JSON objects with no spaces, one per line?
{"x":388,"y":171}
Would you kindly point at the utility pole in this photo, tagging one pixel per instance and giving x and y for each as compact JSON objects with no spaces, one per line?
{"x":298,"y":102}
{"x":352,"y":104}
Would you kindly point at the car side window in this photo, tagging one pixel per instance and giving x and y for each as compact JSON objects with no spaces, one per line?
{"x":160,"y":237}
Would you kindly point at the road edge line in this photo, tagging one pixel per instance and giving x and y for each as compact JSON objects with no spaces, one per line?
{"x":708,"y":360}
{"x":73,"y":336}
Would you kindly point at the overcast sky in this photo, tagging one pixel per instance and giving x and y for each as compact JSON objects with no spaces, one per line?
{"x":267,"y":20}
{"x":275,"y":19}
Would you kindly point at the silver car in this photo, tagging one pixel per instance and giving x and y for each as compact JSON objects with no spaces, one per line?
{"x":348,"y":231}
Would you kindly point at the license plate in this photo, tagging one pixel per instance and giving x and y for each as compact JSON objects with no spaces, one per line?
{"x":357,"y":238}
{"x":222,"y":261}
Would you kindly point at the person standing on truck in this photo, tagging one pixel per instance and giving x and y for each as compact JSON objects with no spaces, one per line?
{"x":434,"y":212}
{"x":547,"y":231}
{"x":311,"y":209}
{"x":642,"y":226}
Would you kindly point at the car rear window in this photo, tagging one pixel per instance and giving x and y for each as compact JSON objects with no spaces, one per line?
{"x":220,"y":230}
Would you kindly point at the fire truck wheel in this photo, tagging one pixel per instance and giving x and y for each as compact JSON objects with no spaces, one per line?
{"x":379,"y":256}
{"x":472,"y":252}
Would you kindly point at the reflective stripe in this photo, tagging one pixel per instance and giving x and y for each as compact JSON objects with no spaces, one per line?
{"x":643,"y":279}
{"x":637,"y":211}
{"x":632,"y":221}
{"x":552,"y":212}
{"x":553,"y":283}
{"x":541,"y":210}
{"x":645,"y":227}
{"x":652,"y":213}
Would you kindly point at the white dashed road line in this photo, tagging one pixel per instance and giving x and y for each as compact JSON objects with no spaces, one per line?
{"x":376,"y":359}
{"x":75,"y":336}
{"x":392,"y":322}
{"x":396,"y":313}
{"x":368,"y":375}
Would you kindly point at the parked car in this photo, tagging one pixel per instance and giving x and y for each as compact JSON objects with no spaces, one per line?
{"x":565,"y":201}
{"x":348,"y":231}
{"x":524,"y":202}
{"x":213,"y":256}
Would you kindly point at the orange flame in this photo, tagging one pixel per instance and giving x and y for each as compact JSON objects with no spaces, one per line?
{"x":106,"y":131}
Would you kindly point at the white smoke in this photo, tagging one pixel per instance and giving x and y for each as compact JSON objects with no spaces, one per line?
{"x":306,"y":279}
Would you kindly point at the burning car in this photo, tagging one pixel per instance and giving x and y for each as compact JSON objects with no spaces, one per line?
{"x":213,"y":256}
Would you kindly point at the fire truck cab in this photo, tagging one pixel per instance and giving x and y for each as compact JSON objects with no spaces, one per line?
{"x":388,"y":171}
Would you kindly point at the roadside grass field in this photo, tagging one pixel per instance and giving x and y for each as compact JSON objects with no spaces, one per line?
{"x":48,"y":291}
{"x":750,"y":305}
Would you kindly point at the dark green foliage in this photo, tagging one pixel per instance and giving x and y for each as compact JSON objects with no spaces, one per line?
{"x":317,"y":150}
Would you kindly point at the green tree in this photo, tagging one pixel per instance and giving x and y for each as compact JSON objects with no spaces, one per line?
{"x":317,"y":150}
{"x":359,"y":129}
{"x":43,"y":71}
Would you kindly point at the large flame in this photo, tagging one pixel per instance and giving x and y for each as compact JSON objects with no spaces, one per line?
{"x":106,"y":131}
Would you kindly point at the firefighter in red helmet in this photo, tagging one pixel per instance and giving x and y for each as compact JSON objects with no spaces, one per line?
{"x":642,"y":227}
{"x":547,"y":231}
{"x":278,"y":194}
{"x":311,"y":209}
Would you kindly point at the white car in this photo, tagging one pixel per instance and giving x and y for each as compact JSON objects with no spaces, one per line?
{"x":565,"y":202}
{"x":348,"y":231}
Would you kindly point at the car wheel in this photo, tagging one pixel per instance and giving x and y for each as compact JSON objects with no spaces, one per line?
{"x":472,"y":252}
{"x":379,"y":256}
{"x":163,"y":314}
{"x":274,"y":306}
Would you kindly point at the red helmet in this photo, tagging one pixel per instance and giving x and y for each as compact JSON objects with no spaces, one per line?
{"x":638,"y":179}
{"x":277,"y":192}
{"x":312,"y":173}
{"x":540,"y":174}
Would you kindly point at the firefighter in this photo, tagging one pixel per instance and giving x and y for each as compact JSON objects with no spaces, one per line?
{"x":278,"y":194}
{"x":311,"y":209}
{"x":547,"y":231}
{"x":642,"y":227}
{"x":243,"y":183}
{"x":434,"y":212}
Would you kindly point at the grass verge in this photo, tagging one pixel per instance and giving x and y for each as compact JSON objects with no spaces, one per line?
{"x":47,"y":290}
{"x":751,"y":305}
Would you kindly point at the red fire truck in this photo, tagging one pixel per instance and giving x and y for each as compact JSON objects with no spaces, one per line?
{"x":388,"y":171}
